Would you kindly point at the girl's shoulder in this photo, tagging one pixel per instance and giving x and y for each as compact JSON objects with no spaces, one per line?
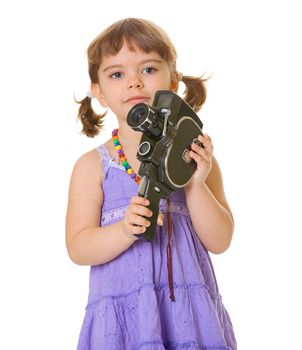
{"x":88,"y":166}
{"x":95,"y":162}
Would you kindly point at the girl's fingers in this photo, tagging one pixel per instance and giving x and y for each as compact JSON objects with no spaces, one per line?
{"x":199,"y":153}
{"x":160,"y":219}
{"x":200,"y":156}
{"x":138,"y":205}
{"x":136,"y":217}
{"x":131,"y":231}
{"x":137,"y":220}
{"x":134,"y":225}
{"x":206,"y":142}
{"x":139,"y":200}
{"x":140,"y":210}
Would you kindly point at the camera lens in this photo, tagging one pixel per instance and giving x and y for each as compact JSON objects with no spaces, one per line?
{"x":138,"y":114}
{"x":143,"y":118}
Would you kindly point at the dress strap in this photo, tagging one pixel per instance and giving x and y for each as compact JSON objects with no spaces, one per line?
{"x":105,"y":158}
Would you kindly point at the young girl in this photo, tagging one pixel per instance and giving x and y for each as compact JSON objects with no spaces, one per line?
{"x":145,"y":295}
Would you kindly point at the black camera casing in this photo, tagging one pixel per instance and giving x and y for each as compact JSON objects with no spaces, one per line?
{"x":169,"y":128}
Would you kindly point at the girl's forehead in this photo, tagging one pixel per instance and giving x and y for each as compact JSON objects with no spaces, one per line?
{"x":132,"y":53}
{"x":132,"y":49}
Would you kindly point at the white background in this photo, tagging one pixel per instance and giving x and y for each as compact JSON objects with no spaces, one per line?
{"x":252,"y":50}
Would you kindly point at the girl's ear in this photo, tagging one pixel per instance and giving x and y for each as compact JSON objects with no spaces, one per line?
{"x":96,"y":89}
{"x":174,"y":82}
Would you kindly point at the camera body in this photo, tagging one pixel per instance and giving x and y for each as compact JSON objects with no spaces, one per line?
{"x":169,"y":128}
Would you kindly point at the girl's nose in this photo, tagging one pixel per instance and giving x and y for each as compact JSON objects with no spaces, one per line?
{"x":135,"y":82}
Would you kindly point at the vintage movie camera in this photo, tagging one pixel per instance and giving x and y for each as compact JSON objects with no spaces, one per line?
{"x":169,"y":128}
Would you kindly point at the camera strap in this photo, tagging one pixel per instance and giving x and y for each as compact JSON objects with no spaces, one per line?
{"x":169,"y":253}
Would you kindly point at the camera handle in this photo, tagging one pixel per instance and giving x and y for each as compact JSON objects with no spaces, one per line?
{"x":150,"y":190}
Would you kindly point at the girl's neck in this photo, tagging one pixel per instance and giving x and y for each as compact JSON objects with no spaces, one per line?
{"x":128,"y":137}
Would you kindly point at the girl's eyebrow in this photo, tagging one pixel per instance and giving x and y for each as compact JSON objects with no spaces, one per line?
{"x":115,"y":66}
{"x":118,"y":66}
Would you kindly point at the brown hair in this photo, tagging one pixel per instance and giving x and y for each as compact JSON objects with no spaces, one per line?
{"x":148,"y":37}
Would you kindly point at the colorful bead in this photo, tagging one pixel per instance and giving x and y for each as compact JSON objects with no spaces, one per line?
{"x":123,"y":159}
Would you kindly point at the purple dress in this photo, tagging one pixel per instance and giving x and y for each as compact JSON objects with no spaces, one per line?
{"x":129,"y":305}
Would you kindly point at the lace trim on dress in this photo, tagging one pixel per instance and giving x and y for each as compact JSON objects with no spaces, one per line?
{"x":107,"y":160}
{"x":117,"y":214}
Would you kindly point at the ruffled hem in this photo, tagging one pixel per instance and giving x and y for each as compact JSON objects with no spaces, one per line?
{"x":173,"y":346}
{"x":147,"y":320}
{"x":168,"y":346}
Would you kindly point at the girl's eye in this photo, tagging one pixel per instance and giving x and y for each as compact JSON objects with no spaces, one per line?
{"x":149,"y":70}
{"x":116,"y":75}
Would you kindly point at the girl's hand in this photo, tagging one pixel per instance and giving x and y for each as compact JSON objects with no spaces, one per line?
{"x":134,"y":222}
{"x":203,"y":159}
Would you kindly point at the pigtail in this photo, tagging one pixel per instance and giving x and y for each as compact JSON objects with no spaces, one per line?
{"x":195,"y":92}
{"x":91,"y":121}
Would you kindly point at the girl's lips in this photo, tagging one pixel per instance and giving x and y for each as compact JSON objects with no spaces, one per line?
{"x":137,"y":99}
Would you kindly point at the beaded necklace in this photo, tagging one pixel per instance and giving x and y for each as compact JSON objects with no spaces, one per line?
{"x":123,"y":159}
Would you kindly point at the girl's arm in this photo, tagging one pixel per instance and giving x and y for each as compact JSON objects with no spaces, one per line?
{"x":87,"y":243}
{"x":210,"y":213}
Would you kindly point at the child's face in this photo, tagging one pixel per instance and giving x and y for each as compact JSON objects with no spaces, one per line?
{"x":131,"y":77}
